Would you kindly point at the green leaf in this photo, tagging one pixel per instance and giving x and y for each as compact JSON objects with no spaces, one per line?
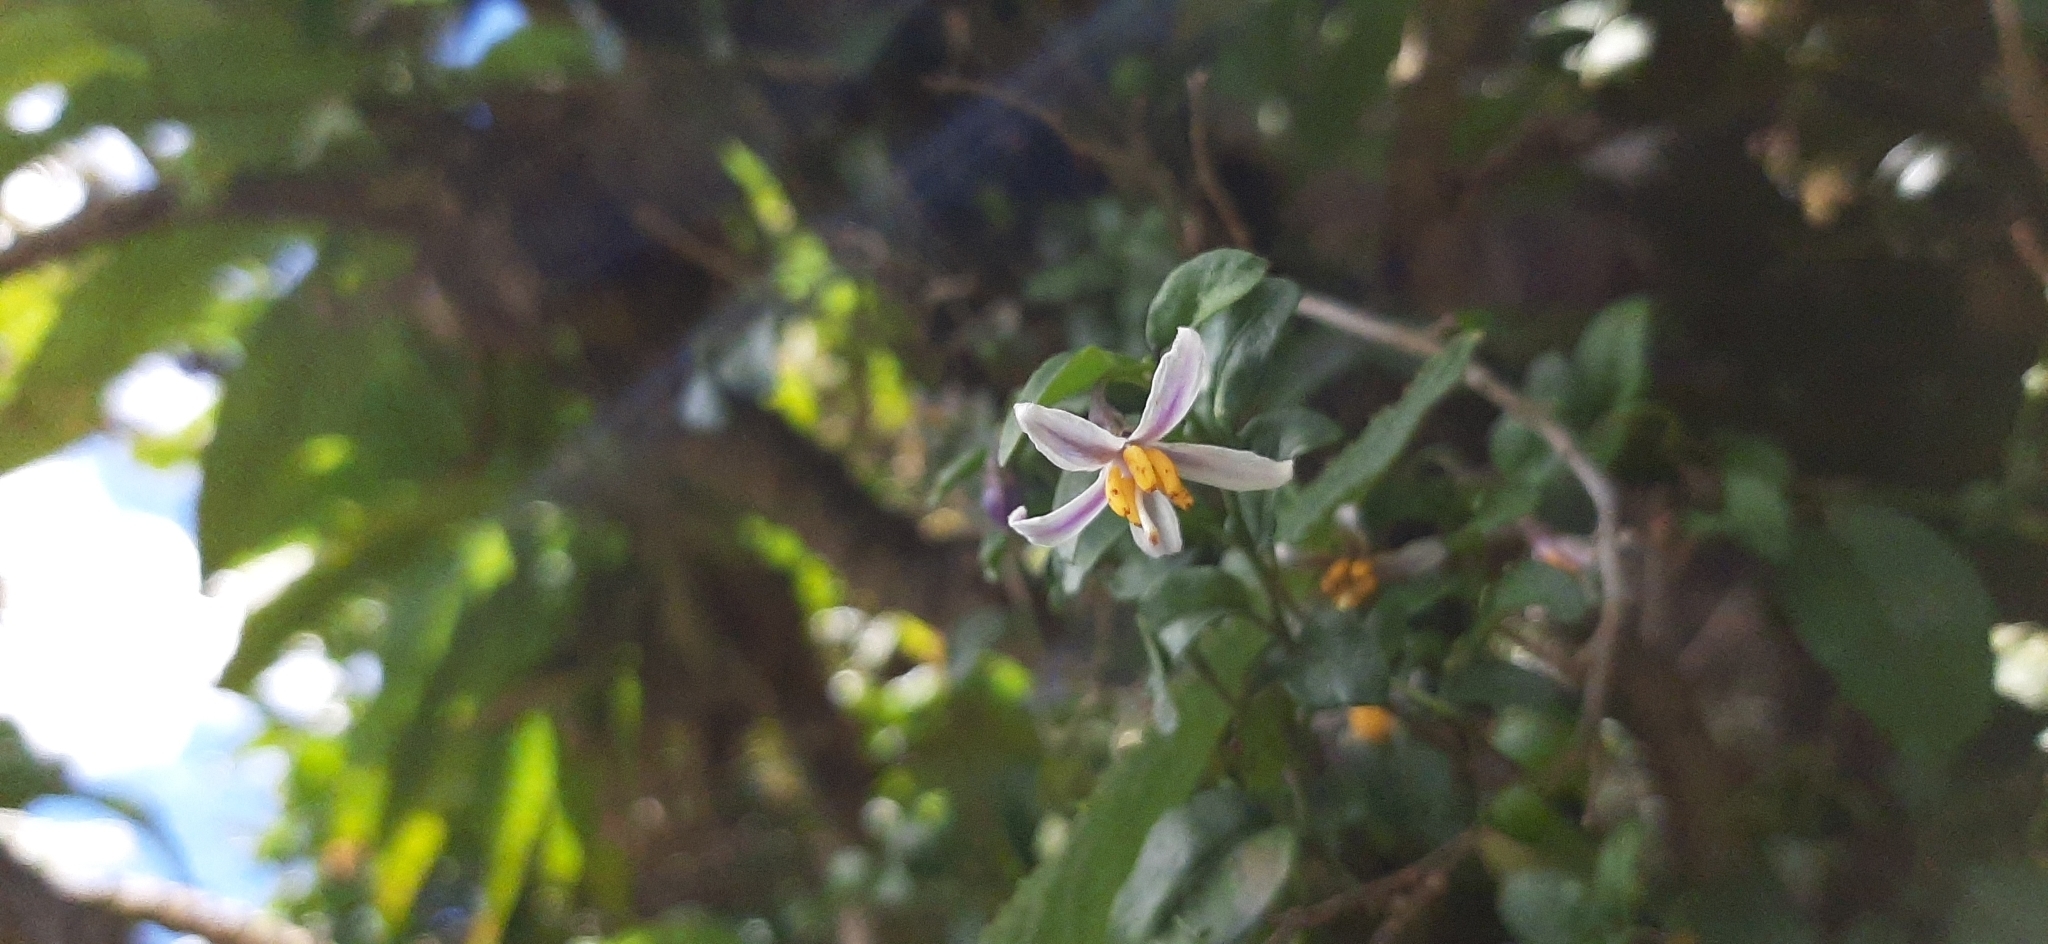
{"x":1341,"y":662}
{"x":1198,"y":289}
{"x":1361,"y":464}
{"x":1521,"y":813}
{"x":530,"y":776}
{"x":325,"y":416}
{"x":1238,"y":891}
{"x":50,"y":43}
{"x":1899,"y":618}
{"x":1067,"y":900}
{"x":1183,"y":841}
{"x":1088,"y":549}
{"x":146,"y":293}
{"x":1290,"y":432}
{"x":1525,"y":584}
{"x":1754,"y":507}
{"x":1189,"y":601}
{"x":957,"y":471}
{"x":2005,"y":903}
{"x":1260,"y":315}
{"x":1515,"y":449}
{"x":1530,"y":737}
{"x":1618,"y":872}
{"x":1499,"y":684}
{"x":404,"y":863}
{"x":1545,"y":906}
{"x":539,"y":52}
{"x":1063,"y":376}
{"x":1611,"y":367}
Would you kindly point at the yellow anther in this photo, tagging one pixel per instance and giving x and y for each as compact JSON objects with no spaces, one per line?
{"x":1169,"y":479}
{"x":1372,"y":724}
{"x":1123,"y":494}
{"x":1140,"y":465}
{"x":1349,"y":582}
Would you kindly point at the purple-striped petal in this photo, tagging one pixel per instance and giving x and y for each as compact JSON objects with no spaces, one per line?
{"x":1182,"y":373}
{"x":1158,"y":535}
{"x":1070,"y":441}
{"x":1234,"y":469}
{"x":1062,"y":524}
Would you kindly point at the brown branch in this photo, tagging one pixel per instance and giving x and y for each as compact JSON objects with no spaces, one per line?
{"x":1421,"y":191}
{"x":34,"y":909}
{"x":1397,"y":888}
{"x":100,"y":222}
{"x":190,"y":911}
{"x":1205,"y":167}
{"x":688,"y":246}
{"x":1598,"y":654}
{"x":1657,"y":703}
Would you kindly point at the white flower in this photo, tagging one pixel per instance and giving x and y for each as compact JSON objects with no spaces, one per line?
{"x":1141,"y":476}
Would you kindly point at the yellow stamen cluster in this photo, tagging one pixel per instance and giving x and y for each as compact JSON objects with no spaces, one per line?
{"x":1349,"y":582}
{"x":1142,"y":470}
{"x":1372,"y":724}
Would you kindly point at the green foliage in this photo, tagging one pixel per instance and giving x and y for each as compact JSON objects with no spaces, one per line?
{"x":600,"y":715}
{"x":1361,"y":463}
{"x":23,"y":777}
{"x":1063,"y":377}
{"x":1068,"y":900}
{"x":1342,"y":662}
{"x":148,"y":292}
{"x":325,"y":422}
{"x":1181,"y":844}
{"x":1199,"y":288}
{"x":528,"y":799}
{"x":1899,"y":619}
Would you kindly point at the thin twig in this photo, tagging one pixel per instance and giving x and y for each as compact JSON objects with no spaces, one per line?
{"x":136,"y":898}
{"x":1080,"y":146}
{"x":1376,"y":894}
{"x":688,"y":246}
{"x":1205,"y":167}
{"x":1598,"y":654}
{"x":190,"y":911}
{"x":1407,"y":909}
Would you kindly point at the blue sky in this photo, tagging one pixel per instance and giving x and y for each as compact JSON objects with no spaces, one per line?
{"x":110,"y":636}
{"x":109,"y":646}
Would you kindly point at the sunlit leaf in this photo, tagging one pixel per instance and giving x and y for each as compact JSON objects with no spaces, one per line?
{"x":142,"y":294}
{"x":404,"y":863}
{"x":529,"y":793}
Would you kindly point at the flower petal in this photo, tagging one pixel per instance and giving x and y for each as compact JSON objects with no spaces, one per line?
{"x":1234,"y":469}
{"x":1182,"y":373}
{"x":1061,"y":524}
{"x":1070,"y":441}
{"x":1159,"y":535}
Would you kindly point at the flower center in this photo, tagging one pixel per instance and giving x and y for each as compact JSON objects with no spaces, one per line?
{"x":1350,"y":581}
{"x":1144,"y":469}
